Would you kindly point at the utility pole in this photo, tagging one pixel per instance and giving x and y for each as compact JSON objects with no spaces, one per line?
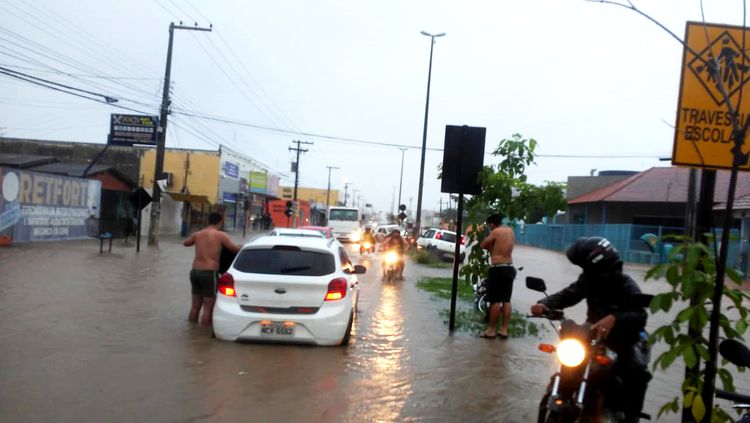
{"x":296,"y":165}
{"x":153,"y":228}
{"x":328,"y":192}
{"x":346,"y":192}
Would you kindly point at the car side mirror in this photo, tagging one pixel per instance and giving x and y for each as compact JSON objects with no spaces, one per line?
{"x":536,"y":284}
{"x":359,"y":269}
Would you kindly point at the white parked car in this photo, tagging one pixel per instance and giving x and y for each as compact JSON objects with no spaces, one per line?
{"x":440,"y":242}
{"x":288,"y":289}
{"x":296,"y":232}
{"x":383,"y":231}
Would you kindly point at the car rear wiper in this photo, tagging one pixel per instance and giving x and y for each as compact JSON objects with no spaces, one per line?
{"x":294,"y":269}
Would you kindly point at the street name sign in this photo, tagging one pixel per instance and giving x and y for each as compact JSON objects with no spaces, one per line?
{"x":704,"y":131}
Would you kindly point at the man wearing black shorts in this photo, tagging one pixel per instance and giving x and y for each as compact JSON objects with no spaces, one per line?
{"x":500,"y":243}
{"x":208,"y":243}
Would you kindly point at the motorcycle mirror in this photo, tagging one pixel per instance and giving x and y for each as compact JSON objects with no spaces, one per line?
{"x":536,"y":284}
{"x":735,"y":352}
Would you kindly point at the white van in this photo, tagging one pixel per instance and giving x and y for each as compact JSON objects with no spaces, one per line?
{"x":345,"y":223}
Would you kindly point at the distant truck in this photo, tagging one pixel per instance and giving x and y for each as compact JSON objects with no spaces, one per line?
{"x":345,"y":223}
{"x":301,"y":216}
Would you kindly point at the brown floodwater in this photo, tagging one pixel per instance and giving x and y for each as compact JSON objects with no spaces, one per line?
{"x":104,"y":337}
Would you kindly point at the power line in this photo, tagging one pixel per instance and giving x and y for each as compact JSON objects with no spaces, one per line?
{"x":107,"y":98}
{"x":72,"y":93}
{"x":60,"y":36}
{"x":82,"y":75}
{"x":232,"y":81}
{"x":387,"y":144}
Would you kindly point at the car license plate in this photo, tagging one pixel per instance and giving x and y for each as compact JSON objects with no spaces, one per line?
{"x":277,"y":328}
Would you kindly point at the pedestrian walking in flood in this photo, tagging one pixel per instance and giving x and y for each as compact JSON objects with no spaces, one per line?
{"x":208,"y":243}
{"x":500,"y":243}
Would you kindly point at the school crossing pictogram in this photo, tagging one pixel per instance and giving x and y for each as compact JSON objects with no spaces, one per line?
{"x":732,"y":66}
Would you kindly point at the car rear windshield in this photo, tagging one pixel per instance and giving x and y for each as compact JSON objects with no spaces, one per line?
{"x":285,"y":261}
{"x":449,"y":237}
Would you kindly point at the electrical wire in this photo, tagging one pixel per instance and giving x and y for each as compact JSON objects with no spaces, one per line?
{"x":106,"y":97}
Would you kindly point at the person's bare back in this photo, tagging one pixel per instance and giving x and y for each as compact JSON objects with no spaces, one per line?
{"x":500,"y":243}
{"x":208,"y":243}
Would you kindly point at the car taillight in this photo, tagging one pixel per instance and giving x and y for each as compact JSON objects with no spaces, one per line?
{"x":336,"y":289}
{"x":226,"y":285}
{"x":438,"y":236}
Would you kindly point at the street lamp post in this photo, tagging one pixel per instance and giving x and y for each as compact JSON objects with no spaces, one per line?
{"x":417,"y":223}
{"x":401,"y":180}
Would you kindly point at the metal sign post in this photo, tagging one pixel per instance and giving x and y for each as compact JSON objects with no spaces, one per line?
{"x":463,"y":160}
{"x":710,"y":133}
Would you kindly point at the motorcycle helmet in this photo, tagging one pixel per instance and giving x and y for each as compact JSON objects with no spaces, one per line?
{"x":594,"y":254}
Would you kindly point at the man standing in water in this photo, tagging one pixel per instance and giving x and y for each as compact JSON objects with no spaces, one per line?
{"x":500,"y":243}
{"x":205,"y":272}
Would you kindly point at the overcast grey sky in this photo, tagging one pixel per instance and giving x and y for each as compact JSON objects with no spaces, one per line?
{"x":582,"y":78}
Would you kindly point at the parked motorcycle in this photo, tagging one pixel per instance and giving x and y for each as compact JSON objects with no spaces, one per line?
{"x":366,"y":247}
{"x":573,"y":392}
{"x":738,"y":354}
{"x":480,"y":294}
{"x":391,"y":268}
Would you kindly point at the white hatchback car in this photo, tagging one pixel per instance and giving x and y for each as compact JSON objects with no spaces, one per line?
{"x":288,"y":289}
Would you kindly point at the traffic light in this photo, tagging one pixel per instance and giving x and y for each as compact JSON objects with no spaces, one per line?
{"x":289,"y":208}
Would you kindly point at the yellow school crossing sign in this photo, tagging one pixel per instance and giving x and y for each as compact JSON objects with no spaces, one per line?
{"x":703,"y":135}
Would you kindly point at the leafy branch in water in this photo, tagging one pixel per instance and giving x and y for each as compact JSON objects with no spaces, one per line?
{"x":691,"y":272}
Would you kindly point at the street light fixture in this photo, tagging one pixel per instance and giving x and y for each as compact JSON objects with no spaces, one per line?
{"x":417,"y":223}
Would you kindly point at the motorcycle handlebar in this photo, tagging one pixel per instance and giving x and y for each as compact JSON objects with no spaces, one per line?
{"x":551,"y":314}
{"x":732,"y":396}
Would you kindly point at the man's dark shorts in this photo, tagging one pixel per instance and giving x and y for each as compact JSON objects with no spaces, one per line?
{"x":203,"y":282}
{"x":500,"y":284}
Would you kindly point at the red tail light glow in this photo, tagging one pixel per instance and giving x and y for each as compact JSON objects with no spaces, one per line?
{"x":336,"y":289}
{"x":463,"y":240}
{"x":226,"y":285}
{"x":603,"y":360}
{"x":548,"y":348}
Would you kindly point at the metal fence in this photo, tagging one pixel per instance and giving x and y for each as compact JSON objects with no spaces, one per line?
{"x":626,"y":238}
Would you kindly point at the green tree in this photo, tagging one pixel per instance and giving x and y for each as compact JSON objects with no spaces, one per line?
{"x":691,"y":272}
{"x":505,"y":190}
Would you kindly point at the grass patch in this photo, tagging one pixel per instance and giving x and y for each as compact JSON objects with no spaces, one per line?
{"x":430,"y":260}
{"x":468,"y":318}
{"x":442,"y":288}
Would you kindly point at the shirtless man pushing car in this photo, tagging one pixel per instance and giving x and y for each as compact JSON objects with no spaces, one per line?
{"x":205,"y":272}
{"x":500,"y":243}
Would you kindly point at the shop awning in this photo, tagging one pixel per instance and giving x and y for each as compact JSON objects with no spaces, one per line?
{"x":190,"y":198}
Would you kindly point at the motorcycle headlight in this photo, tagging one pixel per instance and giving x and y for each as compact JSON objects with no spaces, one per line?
{"x":367,"y":245}
{"x":571,"y":352}
{"x":391,"y":257}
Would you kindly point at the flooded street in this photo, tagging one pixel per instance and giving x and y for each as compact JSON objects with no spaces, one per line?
{"x":90,"y":337}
